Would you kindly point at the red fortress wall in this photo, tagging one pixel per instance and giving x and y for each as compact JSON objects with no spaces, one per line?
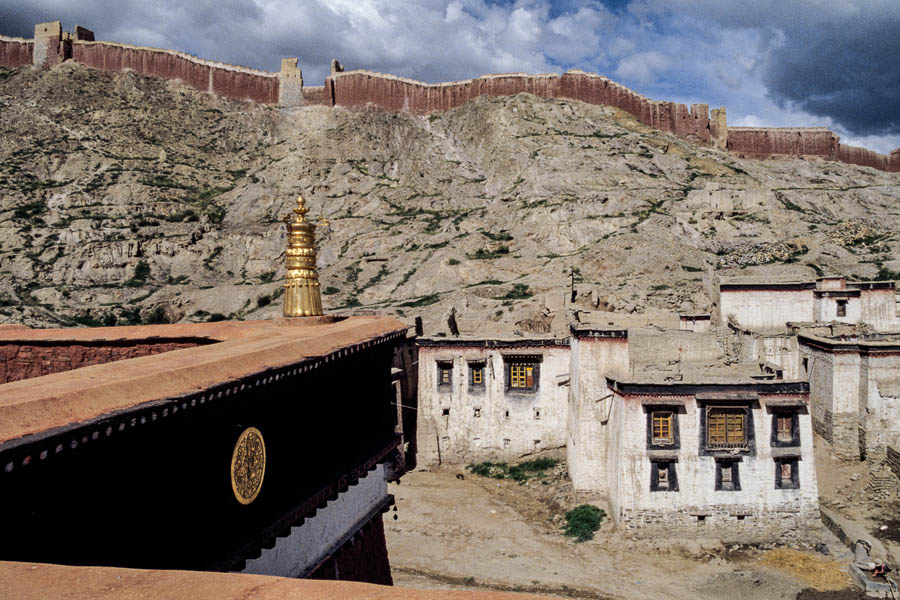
{"x":360,"y":89}
{"x":227,"y":81}
{"x":15,"y":52}
{"x":364,"y":88}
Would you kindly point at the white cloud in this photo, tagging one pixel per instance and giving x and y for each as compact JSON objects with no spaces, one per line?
{"x":644,"y":67}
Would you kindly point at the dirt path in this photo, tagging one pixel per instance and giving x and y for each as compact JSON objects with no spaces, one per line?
{"x":481,"y":533}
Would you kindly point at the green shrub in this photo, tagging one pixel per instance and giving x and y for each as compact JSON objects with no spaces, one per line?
{"x":452,"y":262}
{"x":520,"y":291}
{"x":141,"y":273}
{"x":330,"y":290}
{"x":423,"y":301}
{"x":483,"y":254}
{"x":583,"y":521}
{"x":520,"y":472}
{"x":503,"y":236}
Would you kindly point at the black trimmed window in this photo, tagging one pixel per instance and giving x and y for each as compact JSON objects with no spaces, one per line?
{"x":842,"y":308}
{"x":663,"y":477}
{"x":787,"y":475}
{"x":728,"y":476}
{"x":727,"y":427}
{"x":444,"y":374}
{"x":476,"y":375}
{"x":522,"y":373}
{"x":785,"y":429}
{"x":662,"y":427}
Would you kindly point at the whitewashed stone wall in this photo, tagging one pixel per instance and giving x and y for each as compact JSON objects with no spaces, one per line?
{"x":766,"y":309}
{"x":879,"y":309}
{"x":595,"y":356}
{"x":757,"y":512}
{"x":460,"y":423}
{"x":779,"y":349}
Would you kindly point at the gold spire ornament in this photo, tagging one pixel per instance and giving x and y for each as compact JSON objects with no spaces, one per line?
{"x":302,"y":295}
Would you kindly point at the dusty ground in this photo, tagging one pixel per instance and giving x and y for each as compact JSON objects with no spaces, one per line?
{"x":478,"y":532}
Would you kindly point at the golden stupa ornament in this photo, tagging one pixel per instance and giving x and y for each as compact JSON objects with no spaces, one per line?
{"x":302,"y":296}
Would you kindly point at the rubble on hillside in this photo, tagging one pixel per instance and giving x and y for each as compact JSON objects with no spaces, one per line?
{"x":746,"y":255}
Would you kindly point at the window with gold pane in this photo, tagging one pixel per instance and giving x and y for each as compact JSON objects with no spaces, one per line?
{"x":663,"y":432}
{"x":476,"y":375}
{"x":444,"y":374}
{"x":726,"y":427}
{"x":522,"y":374}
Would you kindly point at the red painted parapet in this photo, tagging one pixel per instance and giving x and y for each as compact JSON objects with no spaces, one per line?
{"x":15,"y":52}
{"x":230,"y":82}
{"x":165,"y":65}
{"x":868,"y":158}
{"x":763,"y":142}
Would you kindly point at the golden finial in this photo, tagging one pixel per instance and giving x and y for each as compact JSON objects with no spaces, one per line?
{"x":302,"y":296}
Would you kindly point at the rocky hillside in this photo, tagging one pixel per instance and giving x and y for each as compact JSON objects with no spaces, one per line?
{"x":125,"y":199}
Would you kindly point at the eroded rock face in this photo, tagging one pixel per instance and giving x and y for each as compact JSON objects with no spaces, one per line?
{"x":121,"y":195}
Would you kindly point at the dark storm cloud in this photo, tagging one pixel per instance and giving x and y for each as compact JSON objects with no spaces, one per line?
{"x":846,"y":71}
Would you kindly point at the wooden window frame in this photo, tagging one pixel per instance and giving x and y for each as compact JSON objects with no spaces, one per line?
{"x":794,"y":482}
{"x":671,"y":475}
{"x":476,"y":374}
{"x":522,"y":374}
{"x":779,"y":416}
{"x":444,"y":367}
{"x":666,"y":425}
{"x":724,"y":436}
{"x":728,"y":471}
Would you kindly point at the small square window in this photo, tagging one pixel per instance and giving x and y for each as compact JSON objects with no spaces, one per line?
{"x":842,"y":308}
{"x":477,"y":412}
{"x":537,"y":414}
{"x":445,"y":412}
{"x":506,"y":414}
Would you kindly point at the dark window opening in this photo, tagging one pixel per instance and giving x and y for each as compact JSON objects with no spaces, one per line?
{"x":477,"y":412}
{"x":445,"y":412}
{"x":445,"y":374}
{"x":842,"y":308}
{"x":787,"y":476}
{"x":506,"y":414}
{"x":727,"y":476}
{"x":785,"y":429}
{"x":537,"y":414}
{"x":662,"y":476}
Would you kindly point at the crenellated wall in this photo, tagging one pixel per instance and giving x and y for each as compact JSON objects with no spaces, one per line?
{"x":15,"y":52}
{"x":361,"y":89}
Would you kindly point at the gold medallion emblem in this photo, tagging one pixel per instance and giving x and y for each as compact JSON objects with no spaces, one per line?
{"x":248,"y":465}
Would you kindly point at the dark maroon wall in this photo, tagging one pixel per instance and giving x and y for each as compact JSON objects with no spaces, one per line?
{"x":26,"y":360}
{"x":15,"y":54}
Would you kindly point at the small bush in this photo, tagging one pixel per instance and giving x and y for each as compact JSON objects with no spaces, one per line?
{"x":520,"y":291}
{"x":330,"y":290}
{"x":520,"y":472}
{"x":452,"y":262}
{"x":423,"y":301}
{"x":484,"y":254}
{"x":583,"y":521}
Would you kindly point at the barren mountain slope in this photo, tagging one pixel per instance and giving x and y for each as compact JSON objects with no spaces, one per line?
{"x":126,"y":199}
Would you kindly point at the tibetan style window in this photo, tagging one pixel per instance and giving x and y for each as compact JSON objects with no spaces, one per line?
{"x":726,"y":427}
{"x":842,"y":308}
{"x":727,"y":476}
{"x":663,"y":432}
{"x":662,"y":476}
{"x":444,"y":374}
{"x":476,"y":375}
{"x":785,"y":429}
{"x":522,"y":373}
{"x":786,"y":474}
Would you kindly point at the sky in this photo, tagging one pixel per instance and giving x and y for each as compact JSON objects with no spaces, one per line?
{"x":777,"y":63}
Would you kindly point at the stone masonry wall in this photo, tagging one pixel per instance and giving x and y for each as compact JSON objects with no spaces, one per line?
{"x":26,"y":360}
{"x":745,"y":524}
{"x":16,"y":52}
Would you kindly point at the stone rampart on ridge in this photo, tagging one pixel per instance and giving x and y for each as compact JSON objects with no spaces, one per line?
{"x":361,"y":89}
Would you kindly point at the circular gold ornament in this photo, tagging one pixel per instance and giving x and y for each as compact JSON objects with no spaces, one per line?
{"x":248,"y":465}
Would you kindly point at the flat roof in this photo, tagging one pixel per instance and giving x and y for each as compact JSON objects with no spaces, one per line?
{"x":35,"y":581}
{"x":43,"y":404}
